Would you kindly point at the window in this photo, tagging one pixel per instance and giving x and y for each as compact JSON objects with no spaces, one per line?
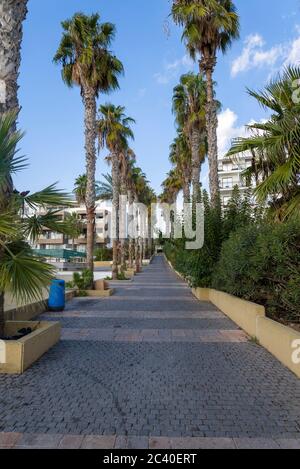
{"x":227,"y":167}
{"x":227,"y":183}
{"x":226,"y":201}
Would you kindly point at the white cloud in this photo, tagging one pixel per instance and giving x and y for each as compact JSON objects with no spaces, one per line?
{"x":228,"y":130}
{"x":254,"y":55}
{"x":293,"y":57}
{"x":173,"y":69}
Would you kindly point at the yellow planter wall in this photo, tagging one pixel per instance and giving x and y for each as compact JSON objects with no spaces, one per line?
{"x":282,"y":342}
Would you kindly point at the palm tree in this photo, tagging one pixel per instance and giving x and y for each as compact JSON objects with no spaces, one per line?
{"x":180,"y":157}
{"x":21,"y":273}
{"x":105,"y":191}
{"x":114,"y":131}
{"x":127,"y":158}
{"x":87,"y":62}
{"x":209,"y":26}
{"x":275,"y":146}
{"x":139,"y":184}
{"x":172,"y":185}
{"x":73,"y":226}
{"x":80,"y":187}
{"x":189,"y":100}
{"x":12,"y":16}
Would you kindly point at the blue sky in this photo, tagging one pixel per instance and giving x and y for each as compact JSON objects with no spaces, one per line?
{"x":149,"y":45}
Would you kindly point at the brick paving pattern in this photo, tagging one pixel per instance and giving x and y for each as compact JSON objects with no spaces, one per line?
{"x":151,"y":367}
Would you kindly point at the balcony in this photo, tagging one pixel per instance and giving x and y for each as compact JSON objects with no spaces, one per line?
{"x":52,"y":241}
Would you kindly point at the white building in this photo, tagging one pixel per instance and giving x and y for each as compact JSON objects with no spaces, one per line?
{"x":52,"y":240}
{"x":230,"y":175}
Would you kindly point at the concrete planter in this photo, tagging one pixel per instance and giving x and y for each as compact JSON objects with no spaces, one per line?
{"x":281,"y":341}
{"x":17,"y":356}
{"x":98,"y":293}
{"x":99,"y":264}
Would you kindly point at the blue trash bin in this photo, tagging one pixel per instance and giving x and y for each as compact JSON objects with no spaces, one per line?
{"x":57,"y":300}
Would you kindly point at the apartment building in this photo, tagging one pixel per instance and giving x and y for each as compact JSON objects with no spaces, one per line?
{"x":52,"y":240}
{"x":230,"y":175}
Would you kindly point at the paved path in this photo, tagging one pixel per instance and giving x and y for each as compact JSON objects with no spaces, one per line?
{"x":151,"y":367}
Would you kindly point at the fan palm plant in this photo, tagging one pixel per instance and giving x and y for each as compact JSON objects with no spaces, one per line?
{"x":88,"y":63}
{"x":189,"y":99}
{"x":209,"y":26}
{"x":80,"y":188}
{"x":105,"y":191}
{"x":114,"y":130}
{"x":73,"y":227}
{"x":275,"y":146}
{"x":22,"y":274}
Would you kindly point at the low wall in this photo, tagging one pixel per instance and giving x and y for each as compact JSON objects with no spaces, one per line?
{"x":31,"y":311}
{"x":281,"y":341}
{"x":244,"y":313}
{"x":98,"y":264}
{"x":17,"y":356}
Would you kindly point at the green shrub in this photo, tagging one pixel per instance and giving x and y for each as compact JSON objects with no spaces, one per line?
{"x":82,"y":281}
{"x":103,"y":255}
{"x":262,"y":264}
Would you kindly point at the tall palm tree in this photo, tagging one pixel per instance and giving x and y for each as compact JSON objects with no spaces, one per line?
{"x":180,"y":157}
{"x":127,"y":158}
{"x":114,"y":130}
{"x":21,"y":273}
{"x":275,"y":148}
{"x":139,"y":186}
{"x":12,"y":15}
{"x":189,"y":100}
{"x":88,"y":63}
{"x":209,"y":26}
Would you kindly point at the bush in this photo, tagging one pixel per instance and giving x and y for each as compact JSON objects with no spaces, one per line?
{"x":262,"y":264}
{"x":82,"y":281}
{"x":103,"y":255}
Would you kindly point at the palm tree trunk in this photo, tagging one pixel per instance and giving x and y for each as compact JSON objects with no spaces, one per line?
{"x":89,"y":99}
{"x":196,"y":165}
{"x":149,"y":238}
{"x":212,"y":139}
{"x":137,"y":256}
{"x":115,"y":214}
{"x":12,"y":15}
{"x":131,"y":247}
{"x":123,"y":240}
{"x":186,"y":190}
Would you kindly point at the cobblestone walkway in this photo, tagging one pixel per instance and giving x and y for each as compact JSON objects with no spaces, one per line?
{"x":151,"y":367}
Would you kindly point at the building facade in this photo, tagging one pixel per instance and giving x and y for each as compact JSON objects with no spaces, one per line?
{"x":52,"y":240}
{"x":230,"y":175}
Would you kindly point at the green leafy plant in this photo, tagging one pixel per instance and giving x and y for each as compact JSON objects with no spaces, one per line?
{"x":22,"y":274}
{"x":103,"y":255}
{"x":82,"y":280}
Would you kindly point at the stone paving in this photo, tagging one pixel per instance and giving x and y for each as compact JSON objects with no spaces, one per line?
{"x":150,"y":367}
